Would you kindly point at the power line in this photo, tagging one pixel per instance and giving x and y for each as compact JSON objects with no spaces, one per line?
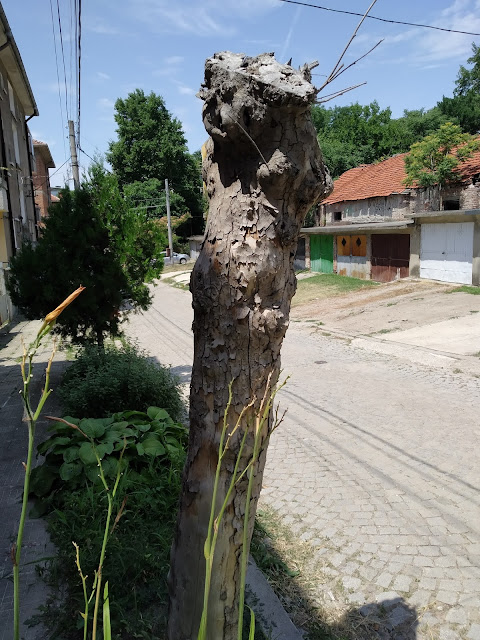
{"x":354,"y":13}
{"x":63,"y":58}
{"x":79,"y":41}
{"x":58,"y":74}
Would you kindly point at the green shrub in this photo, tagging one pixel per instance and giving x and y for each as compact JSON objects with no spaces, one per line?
{"x":105,"y":380}
{"x":137,"y":558}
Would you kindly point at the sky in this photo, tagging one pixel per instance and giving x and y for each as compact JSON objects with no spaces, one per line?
{"x":161,"y":46}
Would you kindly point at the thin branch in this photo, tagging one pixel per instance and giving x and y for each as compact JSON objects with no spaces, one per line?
{"x":338,"y":66}
{"x":331,"y":96}
{"x":339,"y":73}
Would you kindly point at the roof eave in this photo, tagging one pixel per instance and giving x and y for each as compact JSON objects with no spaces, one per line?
{"x":12,"y":60}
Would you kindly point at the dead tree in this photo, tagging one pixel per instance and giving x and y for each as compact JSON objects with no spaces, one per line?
{"x":263,"y":171}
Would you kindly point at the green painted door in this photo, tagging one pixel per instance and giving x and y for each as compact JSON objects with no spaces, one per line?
{"x":321,"y":253}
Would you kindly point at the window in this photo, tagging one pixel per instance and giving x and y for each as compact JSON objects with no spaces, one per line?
{"x":15,"y":144}
{"x":453,"y":204}
{"x":337,"y":216}
{"x":11,"y":98}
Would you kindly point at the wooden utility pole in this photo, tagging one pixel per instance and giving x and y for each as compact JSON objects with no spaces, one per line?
{"x":73,"y":153}
{"x":169,"y":221}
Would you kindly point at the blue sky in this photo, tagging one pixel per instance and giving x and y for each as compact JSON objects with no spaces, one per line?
{"x":161,"y":46}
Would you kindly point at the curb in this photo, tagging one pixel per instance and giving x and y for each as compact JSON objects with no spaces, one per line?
{"x":269,"y":612}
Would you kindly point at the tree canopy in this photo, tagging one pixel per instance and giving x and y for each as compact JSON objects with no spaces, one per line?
{"x":436,"y":158}
{"x":91,"y":239}
{"x":357,"y":134}
{"x":151,"y":147}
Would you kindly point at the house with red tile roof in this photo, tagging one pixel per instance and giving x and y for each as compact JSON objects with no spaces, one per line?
{"x":372,"y":226}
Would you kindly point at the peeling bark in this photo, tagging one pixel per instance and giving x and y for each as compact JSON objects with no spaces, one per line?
{"x":263,"y":172}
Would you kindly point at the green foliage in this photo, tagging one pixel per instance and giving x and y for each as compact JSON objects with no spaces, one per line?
{"x":151,"y":144}
{"x":356,"y":134}
{"x":148,"y":441}
{"x":469,"y":79}
{"x":103,"y":381}
{"x":148,"y":198}
{"x":75,"y":248}
{"x":137,"y":559}
{"x":137,"y":241}
{"x":435,"y":160}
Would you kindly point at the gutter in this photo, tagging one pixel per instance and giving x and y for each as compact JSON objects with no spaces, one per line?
{"x":353,"y":228}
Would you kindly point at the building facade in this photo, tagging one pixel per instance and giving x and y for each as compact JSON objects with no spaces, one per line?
{"x":17,"y":161}
{"x":373,"y":227}
{"x":41,"y":180}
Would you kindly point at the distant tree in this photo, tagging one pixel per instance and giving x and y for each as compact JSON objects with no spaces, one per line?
{"x":435,"y":159}
{"x":357,"y":134}
{"x":464,"y":106}
{"x":90,"y":238}
{"x":149,"y":197}
{"x":152,"y":145}
{"x":469,"y":79}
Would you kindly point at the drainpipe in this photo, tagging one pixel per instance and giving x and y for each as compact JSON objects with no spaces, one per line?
{"x":30,"y":172}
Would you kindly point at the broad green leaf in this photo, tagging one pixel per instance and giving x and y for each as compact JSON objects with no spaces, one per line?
{"x":86,"y":453}
{"x":93,"y":427}
{"x":152,"y":446}
{"x":154,"y":413}
{"x":70,"y":470}
{"x":92,"y":472}
{"x":53,"y":443}
{"x":110,"y":466}
{"x":71,"y":454}
{"x":140,"y":449}
{"x":41,"y":480}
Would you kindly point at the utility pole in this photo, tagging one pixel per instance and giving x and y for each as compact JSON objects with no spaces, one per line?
{"x":73,"y":153}
{"x":169,"y":221}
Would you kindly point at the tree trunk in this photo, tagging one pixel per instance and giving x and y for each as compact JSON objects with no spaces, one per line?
{"x":263,"y":172}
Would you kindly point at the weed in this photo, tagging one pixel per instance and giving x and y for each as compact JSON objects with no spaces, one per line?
{"x":391,"y":304}
{"x":474,"y":291}
{"x":457,"y":371}
{"x":473,"y":310}
{"x":103,"y":381}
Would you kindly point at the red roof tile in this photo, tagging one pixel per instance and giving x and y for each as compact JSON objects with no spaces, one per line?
{"x":370,"y":181}
{"x":383,"y":179}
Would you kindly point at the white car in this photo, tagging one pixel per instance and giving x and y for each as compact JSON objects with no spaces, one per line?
{"x":178,"y":258}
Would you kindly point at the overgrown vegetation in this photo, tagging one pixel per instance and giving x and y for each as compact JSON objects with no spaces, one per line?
{"x":137,"y":558}
{"x":104,"y":381}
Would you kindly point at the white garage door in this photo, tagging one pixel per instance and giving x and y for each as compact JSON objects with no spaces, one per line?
{"x":446,"y":252}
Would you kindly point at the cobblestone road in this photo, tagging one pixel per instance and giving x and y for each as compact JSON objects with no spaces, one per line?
{"x":376,"y":465}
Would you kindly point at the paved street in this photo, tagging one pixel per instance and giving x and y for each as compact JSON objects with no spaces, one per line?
{"x":376,"y":465}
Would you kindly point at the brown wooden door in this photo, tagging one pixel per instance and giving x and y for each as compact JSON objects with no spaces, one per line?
{"x":390,"y":256}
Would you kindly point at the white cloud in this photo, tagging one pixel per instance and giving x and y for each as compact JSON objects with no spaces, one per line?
{"x":290,"y":33}
{"x":103,"y":29}
{"x":102,"y":76}
{"x":208,"y":18}
{"x":105,"y":103}
{"x":186,"y":91}
{"x":174,"y":60}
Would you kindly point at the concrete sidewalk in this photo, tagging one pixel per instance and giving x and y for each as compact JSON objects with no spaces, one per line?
{"x":13,"y":433}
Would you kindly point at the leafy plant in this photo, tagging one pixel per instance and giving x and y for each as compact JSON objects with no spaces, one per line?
{"x":103,"y":381}
{"x":32,"y":415}
{"x":437,"y":158}
{"x":140,"y":441}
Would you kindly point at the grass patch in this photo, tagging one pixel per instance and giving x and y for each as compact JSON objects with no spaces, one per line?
{"x":174,"y":283}
{"x":175,"y":268}
{"x":326,"y":285}
{"x":474,"y":291}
